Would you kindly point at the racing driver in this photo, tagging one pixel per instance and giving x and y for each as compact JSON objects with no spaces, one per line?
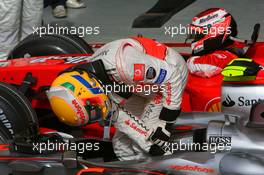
{"x":214,"y":45}
{"x":144,"y":121}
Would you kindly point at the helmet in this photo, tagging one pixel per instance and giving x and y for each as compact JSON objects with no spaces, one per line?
{"x":211,"y":30}
{"x":78,"y":98}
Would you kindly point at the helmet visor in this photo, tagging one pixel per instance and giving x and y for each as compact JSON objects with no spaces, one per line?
{"x":97,"y":108}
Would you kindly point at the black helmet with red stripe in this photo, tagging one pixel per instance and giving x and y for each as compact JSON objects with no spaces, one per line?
{"x":210,"y":30}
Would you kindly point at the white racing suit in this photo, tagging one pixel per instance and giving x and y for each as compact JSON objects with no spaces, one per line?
{"x":17,"y":19}
{"x":141,"y":62}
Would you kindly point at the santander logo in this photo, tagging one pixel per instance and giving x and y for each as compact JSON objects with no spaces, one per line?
{"x":133,"y":126}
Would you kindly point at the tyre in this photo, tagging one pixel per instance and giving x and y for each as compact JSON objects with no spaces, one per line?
{"x":16,"y":114}
{"x":46,"y":45}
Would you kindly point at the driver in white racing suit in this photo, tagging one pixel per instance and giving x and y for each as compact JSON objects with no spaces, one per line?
{"x":147,"y":80}
{"x":141,"y":62}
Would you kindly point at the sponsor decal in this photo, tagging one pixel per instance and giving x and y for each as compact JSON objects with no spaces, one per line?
{"x":74,"y":60}
{"x":139,"y":72}
{"x":198,"y":47}
{"x":41,"y":60}
{"x":79,"y":111}
{"x":4,"y":64}
{"x":133,"y":126}
{"x":192,"y":168}
{"x":224,"y":140}
{"x":168,"y":99}
{"x":161,"y":76}
{"x":6,"y":122}
{"x":220,"y":56}
{"x":148,"y":111}
{"x":208,"y":18}
{"x":158,"y":98}
{"x":248,"y":102}
{"x":103,"y":53}
{"x":151,"y":73}
{"x":228,"y":102}
{"x":67,"y":60}
{"x":241,"y":101}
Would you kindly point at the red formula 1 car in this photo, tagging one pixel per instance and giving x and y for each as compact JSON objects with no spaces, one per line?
{"x":33,"y":76}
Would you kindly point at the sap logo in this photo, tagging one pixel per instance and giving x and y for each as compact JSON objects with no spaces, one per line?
{"x":228,"y":102}
{"x":248,"y":102}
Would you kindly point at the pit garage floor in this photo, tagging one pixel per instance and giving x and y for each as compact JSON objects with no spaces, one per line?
{"x":115,"y":17}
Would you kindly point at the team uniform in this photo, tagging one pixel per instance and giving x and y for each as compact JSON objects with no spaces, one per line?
{"x":141,"y":62}
{"x":17,"y":19}
{"x":210,"y":65}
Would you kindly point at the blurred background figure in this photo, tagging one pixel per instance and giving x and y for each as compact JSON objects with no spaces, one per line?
{"x":75,"y":4}
{"x":18,"y":18}
{"x":59,"y":7}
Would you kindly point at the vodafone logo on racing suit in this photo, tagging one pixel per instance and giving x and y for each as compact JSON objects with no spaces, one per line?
{"x":139,"y":72}
{"x":168,"y":99}
{"x":79,"y":111}
{"x":133,"y":126}
{"x":158,"y":98}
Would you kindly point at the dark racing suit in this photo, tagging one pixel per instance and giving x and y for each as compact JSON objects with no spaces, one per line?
{"x":141,"y":62}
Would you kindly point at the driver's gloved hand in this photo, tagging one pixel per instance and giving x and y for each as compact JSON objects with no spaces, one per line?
{"x":160,"y":137}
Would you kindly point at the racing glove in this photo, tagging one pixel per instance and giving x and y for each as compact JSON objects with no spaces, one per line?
{"x":160,"y":137}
